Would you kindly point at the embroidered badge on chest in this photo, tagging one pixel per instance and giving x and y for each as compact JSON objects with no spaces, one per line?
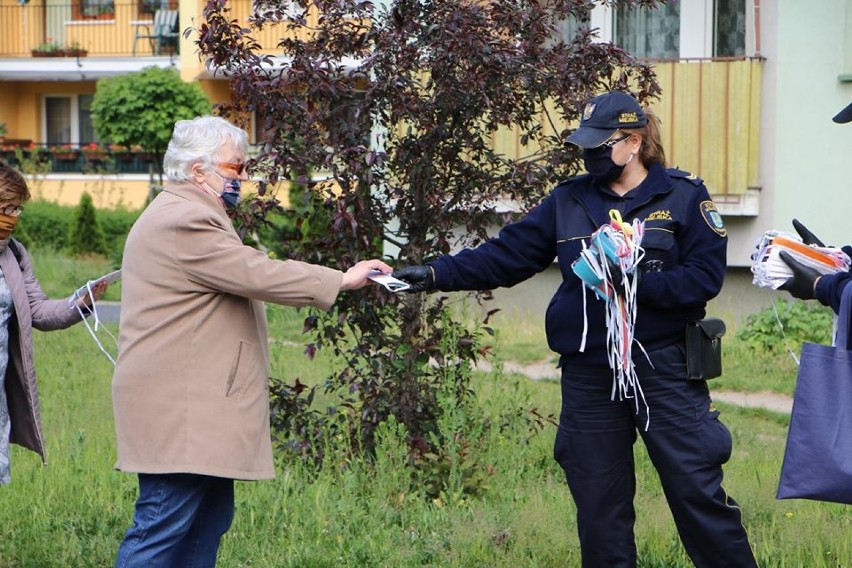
{"x":713,"y":218}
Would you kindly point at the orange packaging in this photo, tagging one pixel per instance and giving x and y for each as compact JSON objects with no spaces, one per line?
{"x":804,"y":250}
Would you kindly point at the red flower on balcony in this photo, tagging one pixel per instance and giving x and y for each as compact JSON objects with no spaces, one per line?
{"x":62,"y":152}
{"x":94,"y":152}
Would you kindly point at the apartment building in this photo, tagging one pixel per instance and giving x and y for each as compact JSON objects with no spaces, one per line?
{"x":749,"y":89}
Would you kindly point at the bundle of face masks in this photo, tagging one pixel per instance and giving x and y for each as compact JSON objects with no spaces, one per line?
{"x":770,"y":271}
{"x":608,"y":266}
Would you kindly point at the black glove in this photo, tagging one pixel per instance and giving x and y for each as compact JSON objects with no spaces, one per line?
{"x":801,"y":284}
{"x":421,"y":278}
{"x":617,"y":276}
{"x":807,"y":237}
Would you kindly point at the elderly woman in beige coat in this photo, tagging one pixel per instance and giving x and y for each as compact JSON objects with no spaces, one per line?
{"x":23,"y":306}
{"x":190,"y":386}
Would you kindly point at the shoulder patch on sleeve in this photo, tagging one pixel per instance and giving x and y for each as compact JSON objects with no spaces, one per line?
{"x":713,"y":218}
{"x":680,"y":174}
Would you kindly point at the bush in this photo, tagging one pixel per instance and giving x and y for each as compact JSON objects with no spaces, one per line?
{"x":787,"y":325}
{"x":47,"y":224}
{"x":44,"y":224}
{"x":85,"y":234}
{"x":116,"y":223}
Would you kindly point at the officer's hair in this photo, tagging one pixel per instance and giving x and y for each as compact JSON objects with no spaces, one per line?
{"x":652,"y":143}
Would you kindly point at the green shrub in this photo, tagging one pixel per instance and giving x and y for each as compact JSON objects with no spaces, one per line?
{"x":116,"y":223}
{"x":787,"y":325}
{"x":85,"y":234}
{"x":44,"y":224}
{"x":47,"y":224}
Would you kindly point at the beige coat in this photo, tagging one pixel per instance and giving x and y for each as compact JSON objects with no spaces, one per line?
{"x":190,"y":388}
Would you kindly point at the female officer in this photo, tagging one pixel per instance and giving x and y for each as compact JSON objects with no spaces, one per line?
{"x":684,"y":264}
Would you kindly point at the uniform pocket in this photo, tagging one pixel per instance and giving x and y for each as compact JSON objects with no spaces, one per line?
{"x":659,"y":250}
{"x":719,"y":443}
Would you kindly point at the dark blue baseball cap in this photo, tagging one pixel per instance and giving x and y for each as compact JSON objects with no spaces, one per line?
{"x":844,"y":115}
{"x":604,"y":115}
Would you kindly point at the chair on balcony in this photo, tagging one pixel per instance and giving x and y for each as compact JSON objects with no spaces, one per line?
{"x":162,"y":32}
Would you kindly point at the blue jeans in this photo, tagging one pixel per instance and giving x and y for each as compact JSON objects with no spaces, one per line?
{"x":180,"y":519}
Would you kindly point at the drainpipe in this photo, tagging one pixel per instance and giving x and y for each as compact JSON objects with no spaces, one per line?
{"x":757,"y":28}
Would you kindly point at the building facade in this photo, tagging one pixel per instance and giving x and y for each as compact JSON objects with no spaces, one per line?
{"x":749,"y":89}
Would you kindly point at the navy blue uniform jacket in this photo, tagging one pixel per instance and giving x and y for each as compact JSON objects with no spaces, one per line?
{"x":685,"y":246}
{"x":829,"y":289}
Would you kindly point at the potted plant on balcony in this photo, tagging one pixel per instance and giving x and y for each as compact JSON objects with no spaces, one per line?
{"x":48,"y":48}
{"x":120,"y":152}
{"x":74,"y":49}
{"x":63,"y":152}
{"x":94,"y":152}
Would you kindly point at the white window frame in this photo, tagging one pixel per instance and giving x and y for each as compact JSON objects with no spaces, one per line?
{"x":75,"y":117}
{"x":696,"y":17}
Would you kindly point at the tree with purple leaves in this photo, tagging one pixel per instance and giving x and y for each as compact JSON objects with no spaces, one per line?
{"x":398,"y":105}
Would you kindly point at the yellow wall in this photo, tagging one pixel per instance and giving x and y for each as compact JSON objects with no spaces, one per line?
{"x":107,"y":191}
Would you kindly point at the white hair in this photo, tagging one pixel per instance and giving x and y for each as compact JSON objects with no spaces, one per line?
{"x":197,"y":141}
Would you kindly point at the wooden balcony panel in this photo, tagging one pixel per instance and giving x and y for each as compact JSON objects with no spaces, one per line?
{"x":23,"y":27}
{"x":710,"y":121}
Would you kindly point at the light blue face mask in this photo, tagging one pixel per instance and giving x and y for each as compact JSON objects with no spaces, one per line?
{"x":231,"y":193}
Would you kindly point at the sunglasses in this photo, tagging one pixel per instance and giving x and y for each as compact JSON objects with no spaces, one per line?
{"x":613,"y":141}
{"x":235,"y":167}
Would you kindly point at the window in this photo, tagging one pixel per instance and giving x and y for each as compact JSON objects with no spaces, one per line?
{"x":68,"y":119}
{"x":677,"y":30}
{"x":58,"y":123}
{"x":94,"y":9}
{"x":730,"y":26}
{"x":651,"y":34}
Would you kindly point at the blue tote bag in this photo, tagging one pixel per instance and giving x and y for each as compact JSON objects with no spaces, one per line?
{"x":818,"y":457}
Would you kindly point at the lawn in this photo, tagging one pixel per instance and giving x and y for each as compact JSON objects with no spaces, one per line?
{"x":73,"y":512}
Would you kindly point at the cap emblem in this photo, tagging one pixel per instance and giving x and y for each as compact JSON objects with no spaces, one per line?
{"x":587,"y":112}
{"x":628,"y":117}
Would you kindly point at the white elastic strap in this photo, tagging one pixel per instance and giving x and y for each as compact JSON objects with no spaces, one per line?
{"x":784,"y":335}
{"x":94,"y":311}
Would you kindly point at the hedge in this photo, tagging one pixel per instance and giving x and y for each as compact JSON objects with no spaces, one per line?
{"x":47,"y":224}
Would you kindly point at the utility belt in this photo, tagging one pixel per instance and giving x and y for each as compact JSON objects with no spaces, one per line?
{"x":704,"y":348}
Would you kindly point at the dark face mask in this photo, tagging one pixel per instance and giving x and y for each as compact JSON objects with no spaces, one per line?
{"x":599,"y":164}
{"x":231,"y":194}
{"x":231,"y":191}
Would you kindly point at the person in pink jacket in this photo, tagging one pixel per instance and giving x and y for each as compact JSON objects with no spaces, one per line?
{"x":23,"y":306}
{"x":190,"y":390}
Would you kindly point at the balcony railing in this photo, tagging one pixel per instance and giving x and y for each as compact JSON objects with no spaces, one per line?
{"x":81,"y":28}
{"x":74,"y":158}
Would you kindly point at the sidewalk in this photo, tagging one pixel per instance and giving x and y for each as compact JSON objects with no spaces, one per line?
{"x":768,"y":400}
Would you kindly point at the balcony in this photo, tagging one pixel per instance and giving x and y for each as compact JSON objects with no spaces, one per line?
{"x":75,"y":158}
{"x":83,"y":28}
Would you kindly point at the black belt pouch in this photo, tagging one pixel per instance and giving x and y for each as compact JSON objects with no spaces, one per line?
{"x":704,"y":348}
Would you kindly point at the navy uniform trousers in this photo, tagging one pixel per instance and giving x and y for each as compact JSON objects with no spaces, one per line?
{"x":686,"y":443}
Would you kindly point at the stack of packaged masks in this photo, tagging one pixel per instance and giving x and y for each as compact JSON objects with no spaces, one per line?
{"x":770,"y":271}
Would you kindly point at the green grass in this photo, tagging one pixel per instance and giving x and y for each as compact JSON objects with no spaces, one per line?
{"x":60,"y":274}
{"x":73,"y":513}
